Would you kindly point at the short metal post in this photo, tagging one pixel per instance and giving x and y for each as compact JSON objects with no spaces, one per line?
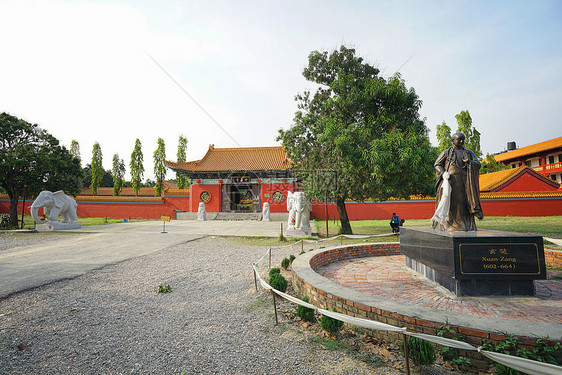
{"x":406,"y":354}
{"x":270,"y":258}
{"x":255,"y":279}
{"x":275,"y":307}
{"x":302,"y":245}
{"x":326,"y":213}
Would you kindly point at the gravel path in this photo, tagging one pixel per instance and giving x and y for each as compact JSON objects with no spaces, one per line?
{"x":112,"y":321}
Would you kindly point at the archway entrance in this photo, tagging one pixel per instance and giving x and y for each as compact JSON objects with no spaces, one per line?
{"x":241,"y":198}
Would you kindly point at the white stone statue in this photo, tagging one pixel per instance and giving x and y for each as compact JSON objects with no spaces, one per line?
{"x":299,"y":208}
{"x":55,"y":204}
{"x":202,"y":213}
{"x":265,"y":216}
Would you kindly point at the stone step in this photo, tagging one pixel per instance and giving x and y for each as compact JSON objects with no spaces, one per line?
{"x":275,"y":216}
{"x":238,"y":216}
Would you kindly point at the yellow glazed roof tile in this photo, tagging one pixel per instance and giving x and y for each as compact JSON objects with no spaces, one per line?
{"x":238,"y":159}
{"x":530,"y":150}
{"x":491,"y":181}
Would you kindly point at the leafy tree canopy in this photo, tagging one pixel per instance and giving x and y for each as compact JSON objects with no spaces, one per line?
{"x":472,"y":140}
{"x":33,"y":159}
{"x":443,"y":137}
{"x":75,"y":149}
{"x":182,"y":158}
{"x":118,"y":174}
{"x":137,"y":166}
{"x":491,"y":165}
{"x":106,"y":181}
{"x":358,"y":136}
{"x":97,"y":168}
{"x":464,"y":125}
{"x":160,"y":166}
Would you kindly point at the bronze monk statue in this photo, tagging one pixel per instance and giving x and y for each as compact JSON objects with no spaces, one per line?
{"x":457,"y":188}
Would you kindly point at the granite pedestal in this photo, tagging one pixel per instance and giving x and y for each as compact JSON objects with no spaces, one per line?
{"x":480,"y":263}
{"x":57,"y":226}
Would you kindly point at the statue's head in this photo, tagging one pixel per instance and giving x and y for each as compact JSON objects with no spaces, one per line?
{"x":458,"y":139}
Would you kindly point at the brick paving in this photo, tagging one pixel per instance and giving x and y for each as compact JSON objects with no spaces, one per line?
{"x":388,"y":277}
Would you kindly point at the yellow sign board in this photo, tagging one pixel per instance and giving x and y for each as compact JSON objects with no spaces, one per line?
{"x":165,"y":218}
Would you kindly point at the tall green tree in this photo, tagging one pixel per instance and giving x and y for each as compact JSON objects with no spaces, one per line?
{"x":118,"y":174}
{"x":137,"y":167}
{"x":182,"y":158}
{"x":358,"y":136}
{"x":97,"y":168}
{"x":464,"y":125}
{"x":472,"y":135}
{"x":32,"y":159}
{"x":106,"y":181}
{"x":75,"y":150}
{"x":160,"y":166}
{"x":491,"y":165}
{"x":443,"y":137}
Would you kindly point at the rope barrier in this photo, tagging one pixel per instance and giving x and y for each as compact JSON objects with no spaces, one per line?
{"x":517,"y":363}
{"x":556,"y":241}
{"x":350,"y":236}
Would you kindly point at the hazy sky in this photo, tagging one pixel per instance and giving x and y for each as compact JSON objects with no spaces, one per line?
{"x":81,"y":69}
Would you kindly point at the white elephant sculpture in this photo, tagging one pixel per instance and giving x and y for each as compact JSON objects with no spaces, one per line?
{"x":299,"y":208}
{"x":54,"y":204}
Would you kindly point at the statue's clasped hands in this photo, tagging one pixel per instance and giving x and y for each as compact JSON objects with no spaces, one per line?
{"x":446,"y":175}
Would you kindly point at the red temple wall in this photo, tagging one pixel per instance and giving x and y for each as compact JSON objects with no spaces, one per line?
{"x":170,"y":205}
{"x":425,"y":209}
{"x":267,"y":191}
{"x":214,"y":205}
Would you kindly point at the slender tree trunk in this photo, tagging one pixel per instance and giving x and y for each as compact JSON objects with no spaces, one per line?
{"x":344,"y":219}
{"x":13,"y":209}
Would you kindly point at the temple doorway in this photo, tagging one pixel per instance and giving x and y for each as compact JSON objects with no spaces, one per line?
{"x":241,"y":198}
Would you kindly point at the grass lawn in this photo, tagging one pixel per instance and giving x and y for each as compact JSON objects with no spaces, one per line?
{"x":548,"y":226}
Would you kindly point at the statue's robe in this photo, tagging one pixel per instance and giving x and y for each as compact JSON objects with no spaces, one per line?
{"x":463,"y":167}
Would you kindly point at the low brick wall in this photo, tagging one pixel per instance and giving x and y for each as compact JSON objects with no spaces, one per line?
{"x":354,"y":251}
{"x":321,"y":298}
{"x":553,"y":258}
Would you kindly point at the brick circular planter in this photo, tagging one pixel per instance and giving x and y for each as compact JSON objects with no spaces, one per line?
{"x":328,"y":294}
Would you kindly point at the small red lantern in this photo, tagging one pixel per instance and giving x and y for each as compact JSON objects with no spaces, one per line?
{"x":198,"y":182}
{"x":259,"y":181}
{"x":284,"y":181}
{"x":220,"y":182}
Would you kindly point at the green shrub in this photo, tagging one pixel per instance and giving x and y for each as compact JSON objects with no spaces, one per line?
{"x":543,"y":352}
{"x":291,"y":258}
{"x":278,"y":282}
{"x":331,"y":325}
{"x":305,"y":313}
{"x":164,"y":289}
{"x":421,"y":352}
{"x":285,"y":263}
{"x":274,"y":271}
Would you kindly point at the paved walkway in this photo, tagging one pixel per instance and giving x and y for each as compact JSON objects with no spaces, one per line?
{"x":92,"y":247}
{"x":389,"y":278}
